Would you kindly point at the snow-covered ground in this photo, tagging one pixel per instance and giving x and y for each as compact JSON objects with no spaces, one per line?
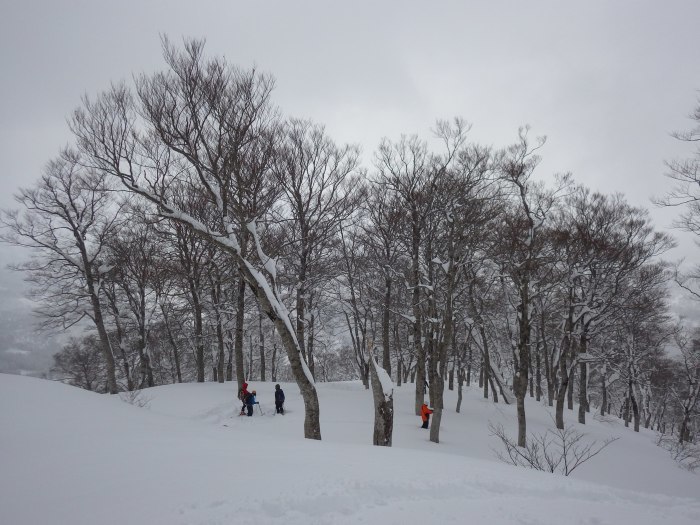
{"x":68,"y":456}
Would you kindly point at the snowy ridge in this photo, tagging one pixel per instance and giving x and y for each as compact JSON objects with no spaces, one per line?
{"x":74,"y":457}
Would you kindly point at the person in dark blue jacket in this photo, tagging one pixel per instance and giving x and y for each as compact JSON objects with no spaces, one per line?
{"x":279,"y":400}
{"x":250,"y":402}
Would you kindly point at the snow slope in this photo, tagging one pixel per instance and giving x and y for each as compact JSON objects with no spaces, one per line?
{"x":68,"y":456}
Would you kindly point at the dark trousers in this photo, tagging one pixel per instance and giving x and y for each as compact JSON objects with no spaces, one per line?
{"x":250,"y":409}
{"x":425,"y":423}
{"x":279,"y":407}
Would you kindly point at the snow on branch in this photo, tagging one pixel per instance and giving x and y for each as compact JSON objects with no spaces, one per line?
{"x":269,"y":263}
{"x":384,"y":380}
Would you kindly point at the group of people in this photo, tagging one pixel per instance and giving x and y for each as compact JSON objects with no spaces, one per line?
{"x":248,"y":398}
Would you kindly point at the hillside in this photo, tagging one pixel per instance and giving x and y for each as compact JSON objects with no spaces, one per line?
{"x":70,"y":457}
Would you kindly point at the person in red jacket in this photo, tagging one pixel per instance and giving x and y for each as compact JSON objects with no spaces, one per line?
{"x":243,"y":396}
{"x":425,"y":415}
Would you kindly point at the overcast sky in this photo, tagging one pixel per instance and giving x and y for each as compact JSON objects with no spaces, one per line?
{"x":605,"y":81}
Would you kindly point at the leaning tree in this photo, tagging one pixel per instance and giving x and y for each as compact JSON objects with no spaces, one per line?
{"x":211,"y":127}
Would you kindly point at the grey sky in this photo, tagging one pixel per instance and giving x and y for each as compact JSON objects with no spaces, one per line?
{"x":606,"y":81}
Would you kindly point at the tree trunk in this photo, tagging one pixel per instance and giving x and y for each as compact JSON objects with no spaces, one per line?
{"x":383,"y":407}
{"x":250,"y":356}
{"x":301,"y":297}
{"x":583,"y":380}
{"x":460,"y":382}
{"x":198,"y":336}
{"x":481,"y":378}
{"x":563,"y":370}
{"x":262,"y":346}
{"x":399,"y":354}
{"x":603,"y":392}
{"x":229,"y":348}
{"x":469,"y":367}
{"x":436,"y":416}
{"x":486,"y":366}
{"x":415,"y":305}
{"x":278,"y":315}
{"x":570,"y":390}
{"x":538,"y":377}
{"x":111,"y":297}
{"x":238,"y":339}
{"x":106,"y":348}
{"x":520,"y":380}
{"x":310,"y":344}
{"x":548,"y":372}
{"x":494,"y":392}
{"x":107,"y":354}
{"x":386,"y":355}
{"x":274,"y":361}
{"x":221,"y":354}
{"x":635,"y":407}
{"x":171,"y":340}
{"x":531,"y":376}
{"x":683,"y":434}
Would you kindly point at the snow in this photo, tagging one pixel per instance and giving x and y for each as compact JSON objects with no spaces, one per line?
{"x":384,"y":380}
{"x":105,"y":268}
{"x":70,"y":456}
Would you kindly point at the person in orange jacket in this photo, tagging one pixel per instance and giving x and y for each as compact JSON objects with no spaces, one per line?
{"x":425,"y":415}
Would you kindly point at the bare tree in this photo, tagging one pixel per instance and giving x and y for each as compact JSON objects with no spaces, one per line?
{"x":80,"y":363}
{"x":686,"y":176}
{"x":404,"y":169}
{"x":319,"y":184}
{"x":67,"y":219}
{"x":211,"y":128}
{"x":134,"y":269}
{"x":382,"y":231}
{"x":524,"y":244}
{"x":687,"y":391}
{"x":558,"y":450}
